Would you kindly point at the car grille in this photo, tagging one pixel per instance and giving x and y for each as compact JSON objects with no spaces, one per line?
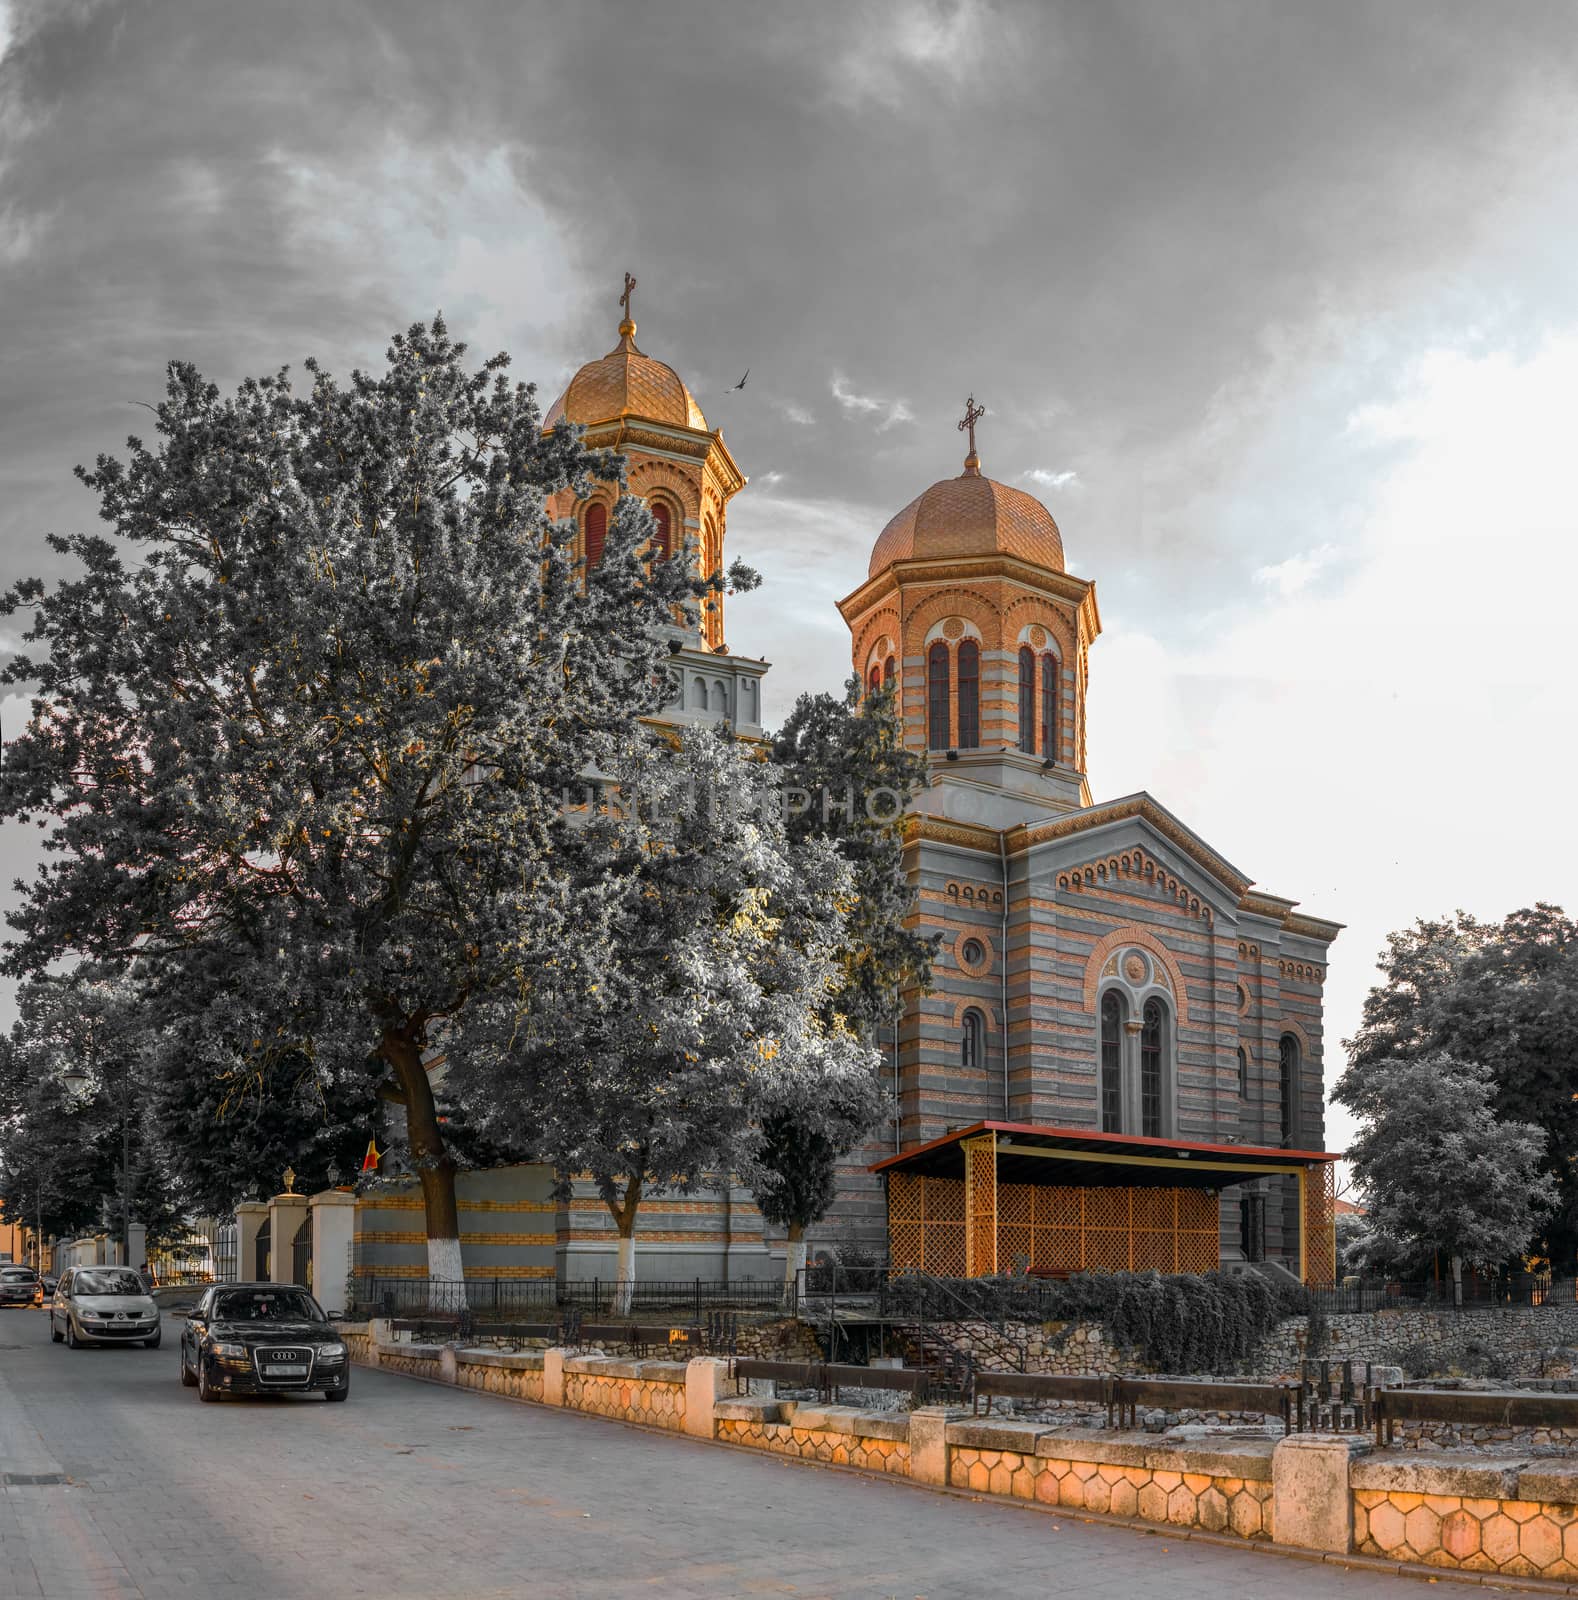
{"x":283,"y":1356}
{"x":119,"y":1325}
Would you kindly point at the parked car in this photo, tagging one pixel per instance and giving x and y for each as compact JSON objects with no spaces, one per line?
{"x":262,"y":1338}
{"x":19,"y":1286}
{"x":103,"y":1305}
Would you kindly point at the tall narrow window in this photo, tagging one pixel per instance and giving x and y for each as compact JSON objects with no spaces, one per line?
{"x":1111,"y":1063}
{"x":1049,"y":698}
{"x":1152,"y":1077}
{"x":972,"y":1042}
{"x":889,"y":668}
{"x":1288,"y":1086}
{"x":662,"y":546}
{"x":937,"y":719}
{"x":1027,"y":699}
{"x":1243,"y":1073}
{"x":596,"y":533}
{"x":969,"y":694}
{"x":874,"y":678}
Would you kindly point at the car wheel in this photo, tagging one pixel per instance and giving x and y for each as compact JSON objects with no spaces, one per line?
{"x":188,"y":1377}
{"x":72,"y":1341}
{"x":338,"y":1394}
{"x":204,"y":1392}
{"x":55,"y":1335}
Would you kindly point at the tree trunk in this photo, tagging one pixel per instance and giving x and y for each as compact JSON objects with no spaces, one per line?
{"x":1457,"y":1282}
{"x":625,"y":1268}
{"x":432,"y":1160}
{"x":794,"y":1262}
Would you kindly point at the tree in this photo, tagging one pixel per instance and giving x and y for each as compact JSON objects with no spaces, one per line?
{"x":848,"y":780}
{"x":81,"y":1147}
{"x":711,"y":1002}
{"x":303,"y":732}
{"x":1440,"y":1172}
{"x":1504,"y":994}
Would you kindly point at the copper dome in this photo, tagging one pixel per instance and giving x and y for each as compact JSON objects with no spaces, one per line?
{"x":626,"y":383}
{"x":970,"y":516}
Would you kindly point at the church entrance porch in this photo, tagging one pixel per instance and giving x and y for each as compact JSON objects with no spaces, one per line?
{"x":1008,"y":1197}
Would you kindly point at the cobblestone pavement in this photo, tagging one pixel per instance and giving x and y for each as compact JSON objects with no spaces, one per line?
{"x":414,"y":1490}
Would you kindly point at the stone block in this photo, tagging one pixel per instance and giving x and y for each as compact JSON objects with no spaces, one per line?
{"x":512,"y":1360}
{"x":929,"y":1445}
{"x":1121,"y":1450}
{"x":747,"y":1410}
{"x":1020,"y":1436}
{"x":1312,"y":1508}
{"x":1470,"y":1477}
{"x":448,"y":1364}
{"x":619,"y":1369}
{"x":1243,"y":1458}
{"x":707,"y":1382}
{"x":553,"y":1377}
{"x":894,"y":1425}
{"x":1553,"y":1482}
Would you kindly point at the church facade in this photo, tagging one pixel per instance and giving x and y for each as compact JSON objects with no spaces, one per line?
{"x":1110,"y":989}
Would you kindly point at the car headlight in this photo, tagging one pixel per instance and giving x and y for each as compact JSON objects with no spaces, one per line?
{"x":235,"y":1351}
{"x":332,"y":1352}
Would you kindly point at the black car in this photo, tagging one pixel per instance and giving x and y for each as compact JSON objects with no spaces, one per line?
{"x":262,"y":1338}
{"x":19,"y":1286}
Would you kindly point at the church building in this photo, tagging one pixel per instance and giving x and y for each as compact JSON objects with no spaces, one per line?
{"x":1119,"y":1064}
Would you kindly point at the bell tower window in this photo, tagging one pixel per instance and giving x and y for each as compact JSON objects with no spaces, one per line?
{"x":1288,"y":1085}
{"x":972,"y":1040}
{"x":969,"y":694}
{"x":1027,"y":700}
{"x":937,"y":709}
{"x":1111,"y":1088}
{"x":596,"y":527}
{"x":1049,"y":695}
{"x":662,"y":546}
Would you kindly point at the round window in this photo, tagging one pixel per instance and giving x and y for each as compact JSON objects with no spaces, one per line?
{"x":1243,"y":998}
{"x":972,"y":953}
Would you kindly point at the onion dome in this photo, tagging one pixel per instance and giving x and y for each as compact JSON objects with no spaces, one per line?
{"x":970,"y":515}
{"x":626,"y":383}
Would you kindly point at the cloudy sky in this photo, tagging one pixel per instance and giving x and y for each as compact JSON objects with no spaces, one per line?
{"x":1272,"y":303}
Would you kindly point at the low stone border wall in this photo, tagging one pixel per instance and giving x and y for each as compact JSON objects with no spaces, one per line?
{"x":1328,"y":1493}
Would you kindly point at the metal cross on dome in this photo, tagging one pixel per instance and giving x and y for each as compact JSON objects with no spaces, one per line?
{"x":624,"y":299}
{"x":972,"y":415}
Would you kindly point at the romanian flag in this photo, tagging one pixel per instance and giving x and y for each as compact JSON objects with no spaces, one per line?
{"x":373,"y":1157}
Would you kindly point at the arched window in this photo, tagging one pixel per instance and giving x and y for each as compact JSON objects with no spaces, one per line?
{"x":662,"y":546}
{"x":1288,"y":1086}
{"x":889,"y":669}
{"x":1153,"y":1074}
{"x":1049,"y":699}
{"x":1027,"y":699}
{"x":874,"y":680}
{"x":596,"y":532}
{"x":972,"y":1040}
{"x":1111,"y":1087}
{"x":969,"y":694}
{"x":1243,"y":1073}
{"x":937,"y":718}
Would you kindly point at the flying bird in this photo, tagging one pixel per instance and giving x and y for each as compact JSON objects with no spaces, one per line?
{"x":741,"y":383}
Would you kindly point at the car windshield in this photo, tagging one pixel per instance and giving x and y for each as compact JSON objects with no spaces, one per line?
{"x":266,"y":1305}
{"x":119,"y":1281}
{"x":17,"y":1274}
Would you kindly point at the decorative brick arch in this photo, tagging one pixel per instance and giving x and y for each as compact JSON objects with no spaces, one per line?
{"x":952,"y":603}
{"x":1032,"y":609}
{"x":874,"y":626}
{"x":647,"y":476}
{"x":1116,"y":940}
{"x":961,"y":1006}
{"x":1307,"y":1051}
{"x":1140,"y":865}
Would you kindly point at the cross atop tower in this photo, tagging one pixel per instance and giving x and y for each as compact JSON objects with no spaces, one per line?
{"x":972,"y":415}
{"x":624,"y":299}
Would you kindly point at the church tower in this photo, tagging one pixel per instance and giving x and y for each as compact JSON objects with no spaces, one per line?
{"x":633,"y":403}
{"x":969,"y":604}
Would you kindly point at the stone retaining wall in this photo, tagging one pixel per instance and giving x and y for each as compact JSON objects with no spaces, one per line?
{"x":1509,"y":1516}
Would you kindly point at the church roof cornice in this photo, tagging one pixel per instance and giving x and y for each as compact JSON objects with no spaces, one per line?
{"x":914,"y":574}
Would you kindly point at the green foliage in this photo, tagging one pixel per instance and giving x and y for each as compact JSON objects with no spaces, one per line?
{"x":1180,"y":1324}
{"x":1464,"y":1358}
{"x":1504,"y":994}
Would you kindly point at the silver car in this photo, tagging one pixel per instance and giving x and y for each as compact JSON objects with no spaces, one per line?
{"x":103,"y":1305}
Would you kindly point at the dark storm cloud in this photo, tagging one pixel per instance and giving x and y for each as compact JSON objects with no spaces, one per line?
{"x":1114,"y":223}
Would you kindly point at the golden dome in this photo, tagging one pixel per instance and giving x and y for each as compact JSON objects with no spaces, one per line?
{"x":970,"y":516}
{"x":626,"y":383}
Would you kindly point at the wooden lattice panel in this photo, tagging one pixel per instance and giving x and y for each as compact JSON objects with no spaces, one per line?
{"x":1320,"y":1223}
{"x":926,"y":1224}
{"x":980,"y":1184}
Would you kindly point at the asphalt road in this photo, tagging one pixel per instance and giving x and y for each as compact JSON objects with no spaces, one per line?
{"x":414,"y":1490}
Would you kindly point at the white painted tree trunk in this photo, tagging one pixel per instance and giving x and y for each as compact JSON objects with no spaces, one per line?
{"x":625,"y":1272}
{"x":794,"y":1265}
{"x":445,"y":1266}
{"x":1457,"y":1281}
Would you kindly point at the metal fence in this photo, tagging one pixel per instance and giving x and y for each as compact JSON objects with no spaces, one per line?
{"x":1510,"y":1291}
{"x":544,"y":1299}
